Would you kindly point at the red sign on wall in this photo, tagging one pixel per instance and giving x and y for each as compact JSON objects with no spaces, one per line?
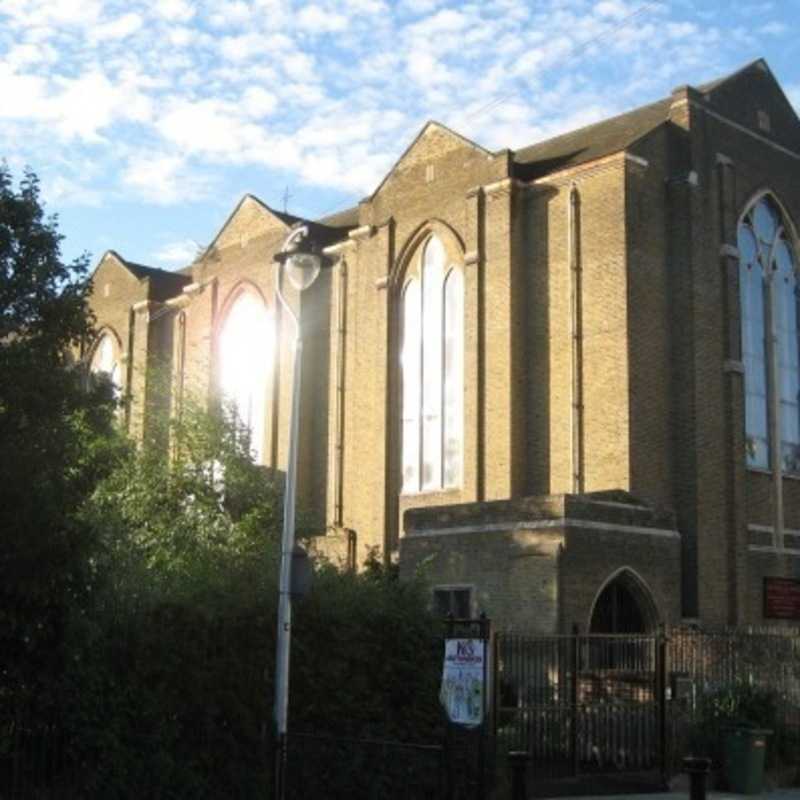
{"x":781,"y":598}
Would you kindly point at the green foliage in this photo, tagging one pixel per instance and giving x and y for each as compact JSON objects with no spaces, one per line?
{"x":169,"y":688}
{"x":187,"y":524}
{"x":742,"y":704}
{"x":378,"y":673}
{"x":138,"y":585}
{"x":56,"y":438}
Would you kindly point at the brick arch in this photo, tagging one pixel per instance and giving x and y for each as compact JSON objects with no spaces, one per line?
{"x":263,"y":424}
{"x":765,"y":193}
{"x":243,"y":286}
{"x":452,"y":242}
{"x":630,"y":585}
{"x":103,"y":331}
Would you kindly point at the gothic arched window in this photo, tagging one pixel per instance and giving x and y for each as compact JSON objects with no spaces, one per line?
{"x":768,"y":296}
{"x":246,"y":352}
{"x":432,"y":371}
{"x":105,"y":361}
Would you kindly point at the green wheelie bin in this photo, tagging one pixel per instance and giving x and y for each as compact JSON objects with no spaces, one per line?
{"x":745,"y":750}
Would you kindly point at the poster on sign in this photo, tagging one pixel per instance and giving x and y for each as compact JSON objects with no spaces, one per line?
{"x":462,"y":681}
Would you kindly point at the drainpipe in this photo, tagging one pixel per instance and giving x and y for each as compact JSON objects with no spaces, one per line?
{"x":576,"y":332}
{"x":181,"y":363}
{"x":341,"y":331}
{"x":129,"y":368}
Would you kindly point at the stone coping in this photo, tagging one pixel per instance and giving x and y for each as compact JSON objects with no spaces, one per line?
{"x":610,"y":508}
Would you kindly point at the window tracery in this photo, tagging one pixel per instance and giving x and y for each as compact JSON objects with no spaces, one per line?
{"x":432,"y":371}
{"x":105,"y":361}
{"x":770,"y":344}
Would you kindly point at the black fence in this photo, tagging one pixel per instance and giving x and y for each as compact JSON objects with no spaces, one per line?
{"x":34,"y":761}
{"x":586,"y":706}
{"x":581,"y":704}
{"x":616,"y":705}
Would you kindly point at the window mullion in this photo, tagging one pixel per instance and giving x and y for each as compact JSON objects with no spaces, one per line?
{"x":421,"y":400}
{"x":774,"y":405}
{"x":442,"y":379}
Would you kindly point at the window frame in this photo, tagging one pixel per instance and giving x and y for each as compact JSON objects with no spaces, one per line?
{"x":450,"y":590}
{"x":244,"y":293}
{"x":415,"y":276}
{"x":769,"y":335}
{"x":115,"y":375}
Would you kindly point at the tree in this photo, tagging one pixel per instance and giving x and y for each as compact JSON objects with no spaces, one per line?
{"x":55,"y":432}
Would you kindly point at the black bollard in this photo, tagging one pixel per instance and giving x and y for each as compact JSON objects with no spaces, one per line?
{"x":697,"y":769}
{"x":518,"y":759}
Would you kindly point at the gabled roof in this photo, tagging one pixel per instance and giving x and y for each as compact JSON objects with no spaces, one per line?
{"x":326,"y":231}
{"x":428,"y":128}
{"x":163,"y":284}
{"x":618,"y":133}
{"x":755,"y":82}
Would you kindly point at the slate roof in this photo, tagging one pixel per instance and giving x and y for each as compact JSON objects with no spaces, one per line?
{"x":593,"y":141}
{"x":163,"y":284}
{"x":607,"y":136}
{"x":341,"y":219}
{"x":585,"y":144}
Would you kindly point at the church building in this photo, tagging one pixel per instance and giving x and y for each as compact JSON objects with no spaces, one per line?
{"x":559,"y":382}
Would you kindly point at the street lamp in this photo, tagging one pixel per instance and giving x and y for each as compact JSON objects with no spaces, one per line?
{"x":301,"y":260}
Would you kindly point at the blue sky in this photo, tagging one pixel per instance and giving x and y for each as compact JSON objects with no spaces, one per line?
{"x":147,"y":121}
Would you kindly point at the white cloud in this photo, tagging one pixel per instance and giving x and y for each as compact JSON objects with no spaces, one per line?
{"x":299,"y":66}
{"x":176,"y":254}
{"x":212,"y":127}
{"x":64,"y":191}
{"x":315,"y":19}
{"x":258,"y":102}
{"x":327,"y":93}
{"x":773,"y":28}
{"x":41,"y":13}
{"x":175,"y":10}
{"x":27,"y":54}
{"x":119,"y":28}
{"x":228,"y":14}
{"x":242,"y":48}
{"x":164,"y":179}
{"x":612,"y":8}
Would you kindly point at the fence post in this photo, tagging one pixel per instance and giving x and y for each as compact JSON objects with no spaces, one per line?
{"x":661,"y":686}
{"x":573,"y":734}
{"x":518,"y":760}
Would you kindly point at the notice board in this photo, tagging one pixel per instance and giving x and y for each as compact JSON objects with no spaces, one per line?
{"x":782,"y":598}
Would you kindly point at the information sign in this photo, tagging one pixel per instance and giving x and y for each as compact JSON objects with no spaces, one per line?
{"x":462,"y":692}
{"x":781,"y":598}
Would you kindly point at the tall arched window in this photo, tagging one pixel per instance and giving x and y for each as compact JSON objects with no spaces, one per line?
{"x":432,"y":371}
{"x":768,"y":295}
{"x":246,"y":352}
{"x":105,"y":361}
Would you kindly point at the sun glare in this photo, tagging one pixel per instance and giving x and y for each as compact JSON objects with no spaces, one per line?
{"x":246,"y":350}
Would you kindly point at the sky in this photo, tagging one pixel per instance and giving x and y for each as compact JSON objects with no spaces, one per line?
{"x":148,"y":121}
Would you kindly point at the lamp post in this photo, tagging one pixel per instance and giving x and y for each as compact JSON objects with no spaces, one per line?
{"x":301,"y":260}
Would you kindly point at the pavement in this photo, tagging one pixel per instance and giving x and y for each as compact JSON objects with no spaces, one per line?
{"x":774,"y":794}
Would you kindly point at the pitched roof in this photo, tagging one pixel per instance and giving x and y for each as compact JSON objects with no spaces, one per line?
{"x":593,"y":141}
{"x":163,"y":284}
{"x":618,"y":133}
{"x":348,"y":218}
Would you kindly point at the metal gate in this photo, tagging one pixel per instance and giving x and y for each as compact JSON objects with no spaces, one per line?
{"x":581,"y":704}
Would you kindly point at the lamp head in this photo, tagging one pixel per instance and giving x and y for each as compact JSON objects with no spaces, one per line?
{"x":302,"y":258}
